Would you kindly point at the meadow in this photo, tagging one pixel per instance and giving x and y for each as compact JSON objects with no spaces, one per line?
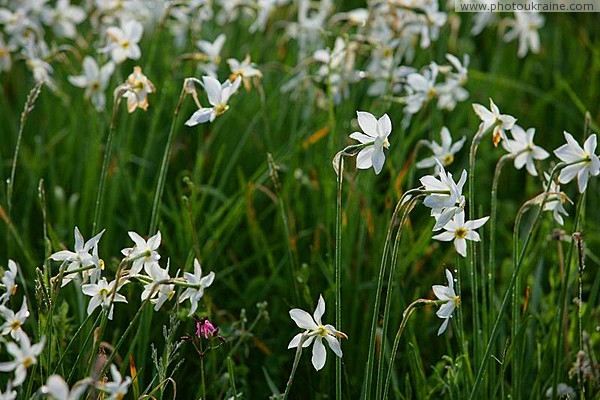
{"x":225,"y":199}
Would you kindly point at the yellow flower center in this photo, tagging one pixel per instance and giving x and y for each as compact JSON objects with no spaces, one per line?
{"x":461,"y":233}
{"x":95,"y":85}
{"x":221,"y":108}
{"x":28,"y":362}
{"x":448,"y":159}
{"x":103,"y":292}
{"x":3,"y":52}
{"x":234,"y":76}
{"x":431,"y":94}
{"x":322,"y":331}
{"x":457,"y":301}
{"x":15,"y":326}
{"x":125,"y":44}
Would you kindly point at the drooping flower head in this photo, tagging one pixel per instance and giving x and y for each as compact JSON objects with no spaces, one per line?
{"x":493,"y":119}
{"x":447,"y":294}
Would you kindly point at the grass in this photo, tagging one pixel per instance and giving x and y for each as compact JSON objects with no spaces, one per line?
{"x":274,"y":240}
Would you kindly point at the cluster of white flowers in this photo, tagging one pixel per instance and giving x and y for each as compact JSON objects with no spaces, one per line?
{"x":140,"y":263}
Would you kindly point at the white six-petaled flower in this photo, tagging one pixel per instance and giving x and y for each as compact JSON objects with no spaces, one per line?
{"x":101,"y":294}
{"x":374,"y":134}
{"x":80,"y":257}
{"x":584,"y":160}
{"x":447,"y":294}
{"x":143,"y":254}
{"x":315,"y":332}
{"x":460,"y":231}
{"x":117,"y":389}
{"x":443,"y":152}
{"x":124,"y":41}
{"x":24,"y":354}
{"x":8,"y":280}
{"x":13,"y":322}
{"x":195,"y":294}
{"x":94,"y":80}
{"x":163,"y":292}
{"x":523,"y":150}
{"x":218,"y":96}
{"x":56,"y":388}
{"x":492,"y":118}
{"x":445,"y":196}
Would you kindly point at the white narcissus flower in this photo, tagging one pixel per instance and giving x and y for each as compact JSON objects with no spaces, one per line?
{"x":164,"y":292}
{"x":212,"y":51}
{"x":460,"y":231}
{"x":80,"y":257}
{"x":13,"y":322}
{"x":64,"y":18}
{"x":8,"y":280}
{"x":585,"y":161}
{"x":136,"y":90}
{"x":555,"y":201}
{"x":94,"y":80}
{"x":523,"y":149}
{"x":315,"y":332}
{"x":24,"y":354}
{"x":117,"y":389}
{"x":447,"y":294}
{"x":422,"y":88}
{"x":525,"y":26}
{"x":9,"y":393}
{"x":101,"y":294}
{"x":195,"y":294}
{"x":443,"y":153}
{"x":447,"y":198}
{"x":218,"y":96}
{"x":375,"y":134}
{"x":143,"y":254}
{"x":492,"y":118}
{"x":124,"y":41}
{"x":245,"y":69}
{"x":56,"y":388}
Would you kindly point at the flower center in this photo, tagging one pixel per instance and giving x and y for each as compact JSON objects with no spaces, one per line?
{"x":460,"y":233}
{"x":457,"y":301}
{"x":28,"y":362}
{"x":431,"y":94}
{"x":15,"y":326}
{"x":125,"y":44}
{"x":103,"y":292}
{"x":95,"y":85}
{"x":322,"y":331}
{"x":3,"y":52}
{"x":221,"y":108}
{"x":448,"y":159}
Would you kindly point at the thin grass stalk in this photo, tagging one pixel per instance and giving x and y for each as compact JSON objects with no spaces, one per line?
{"x":27,"y":109}
{"x":382,"y":269}
{"x":558,"y":353}
{"x":471,"y":248}
{"x":405,"y":317}
{"x":338,"y":273}
{"x":484,"y":361}
{"x":493,"y":220}
{"x":388,"y":297}
{"x":288,"y":386}
{"x":164,"y":167}
{"x":104,"y":172}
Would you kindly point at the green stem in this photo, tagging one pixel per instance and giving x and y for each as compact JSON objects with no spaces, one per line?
{"x":388,"y":297}
{"x":405,"y":317}
{"x":105,"y":162}
{"x":562,"y":303}
{"x":382,"y":268}
{"x":484,"y":361}
{"x":162,"y":175}
{"x":338,"y":274}
{"x":294,"y":367}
